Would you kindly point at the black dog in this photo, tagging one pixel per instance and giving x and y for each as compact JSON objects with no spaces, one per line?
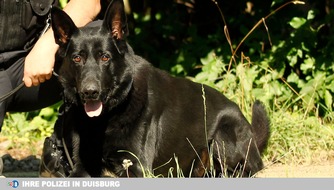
{"x":121,"y":109}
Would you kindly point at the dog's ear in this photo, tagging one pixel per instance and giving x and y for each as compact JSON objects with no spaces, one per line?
{"x":115,"y":20}
{"x":62,"y":25}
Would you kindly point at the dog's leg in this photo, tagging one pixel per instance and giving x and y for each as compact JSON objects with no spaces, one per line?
{"x":202,"y":166}
{"x":235,"y":145}
{"x":78,"y":168}
{"x":79,"y":171}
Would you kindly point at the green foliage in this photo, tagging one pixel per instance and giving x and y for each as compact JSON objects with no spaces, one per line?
{"x":25,"y":128}
{"x":63,"y":3}
{"x":292,"y":70}
{"x":294,"y":79}
{"x":308,"y":75}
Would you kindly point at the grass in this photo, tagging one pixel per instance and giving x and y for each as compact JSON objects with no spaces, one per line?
{"x":296,"y":139}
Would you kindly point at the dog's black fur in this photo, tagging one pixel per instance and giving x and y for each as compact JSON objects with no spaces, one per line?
{"x":148,"y":117}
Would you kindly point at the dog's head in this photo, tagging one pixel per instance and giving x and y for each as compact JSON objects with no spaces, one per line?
{"x":94,"y":71}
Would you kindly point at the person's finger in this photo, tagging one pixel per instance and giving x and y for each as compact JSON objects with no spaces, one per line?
{"x":41,"y":79}
{"x":48,"y":76}
{"x":27,"y":81}
{"x":35,"y":81}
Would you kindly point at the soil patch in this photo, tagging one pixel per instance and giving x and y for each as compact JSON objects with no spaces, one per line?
{"x":316,"y":170}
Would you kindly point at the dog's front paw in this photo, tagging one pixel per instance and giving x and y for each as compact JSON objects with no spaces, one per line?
{"x":79,"y":173}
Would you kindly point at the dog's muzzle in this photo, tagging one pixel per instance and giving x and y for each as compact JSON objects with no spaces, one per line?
{"x":90,"y":96}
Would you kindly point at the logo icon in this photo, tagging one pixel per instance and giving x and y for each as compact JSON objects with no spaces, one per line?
{"x":14,"y":184}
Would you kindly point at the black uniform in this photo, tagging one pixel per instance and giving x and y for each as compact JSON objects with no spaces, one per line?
{"x":21,"y":24}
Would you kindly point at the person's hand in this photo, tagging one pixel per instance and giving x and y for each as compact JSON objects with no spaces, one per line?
{"x":40,"y":61}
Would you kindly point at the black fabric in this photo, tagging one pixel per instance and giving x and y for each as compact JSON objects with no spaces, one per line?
{"x":41,"y":7}
{"x":9,"y":58}
{"x":21,"y":22}
{"x":11,"y":27}
{"x":26,"y":99}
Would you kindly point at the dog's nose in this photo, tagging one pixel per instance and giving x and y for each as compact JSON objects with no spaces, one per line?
{"x":90,"y":91}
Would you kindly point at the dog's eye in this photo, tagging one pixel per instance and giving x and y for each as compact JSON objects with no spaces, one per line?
{"x":105,"y":58}
{"x":76,"y":59}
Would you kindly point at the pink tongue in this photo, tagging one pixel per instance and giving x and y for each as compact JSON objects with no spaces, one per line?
{"x":93,"y":108}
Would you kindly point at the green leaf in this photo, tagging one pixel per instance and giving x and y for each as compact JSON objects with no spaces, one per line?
{"x":297,"y":22}
{"x":47,"y":112}
{"x":308,"y":64}
{"x":328,"y":99}
{"x":62,"y":3}
{"x":310,"y":15}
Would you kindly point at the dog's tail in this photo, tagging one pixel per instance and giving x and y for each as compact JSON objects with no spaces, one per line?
{"x":260,"y":125}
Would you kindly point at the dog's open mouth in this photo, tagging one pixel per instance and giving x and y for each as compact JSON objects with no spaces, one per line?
{"x":93,"y":108}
